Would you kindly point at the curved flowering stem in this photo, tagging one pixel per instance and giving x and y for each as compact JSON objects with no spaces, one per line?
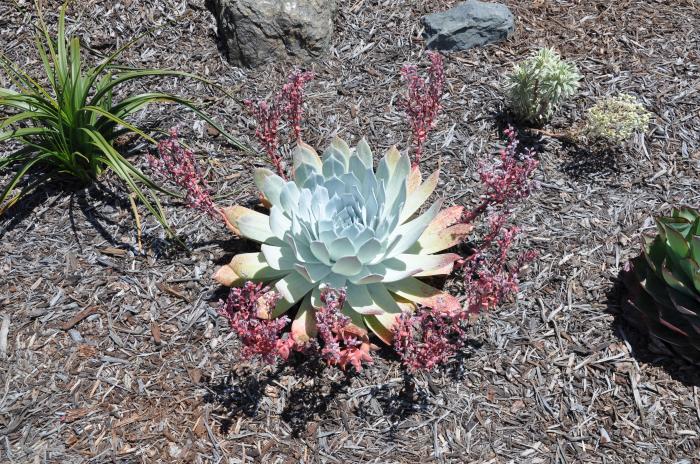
{"x":287,"y":104}
{"x":422,"y":103}
{"x":508,"y":180}
{"x":178,"y":165}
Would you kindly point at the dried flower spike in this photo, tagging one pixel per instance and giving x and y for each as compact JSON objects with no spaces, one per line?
{"x":293,"y":97}
{"x":268,"y":116}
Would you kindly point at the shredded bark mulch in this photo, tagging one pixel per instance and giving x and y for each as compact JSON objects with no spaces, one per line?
{"x":111,"y":349}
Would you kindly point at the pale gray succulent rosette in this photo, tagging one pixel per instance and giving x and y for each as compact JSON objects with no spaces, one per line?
{"x":341,"y":224}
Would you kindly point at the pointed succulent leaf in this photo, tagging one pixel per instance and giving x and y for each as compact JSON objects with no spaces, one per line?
{"x":304,"y":325}
{"x":419,"y":292}
{"x":663,"y":286}
{"x":416,"y":198}
{"x":340,"y":224}
{"x":244,"y":267}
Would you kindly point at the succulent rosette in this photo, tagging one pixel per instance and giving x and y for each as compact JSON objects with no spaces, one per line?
{"x":662,"y":285}
{"x":340,"y":224}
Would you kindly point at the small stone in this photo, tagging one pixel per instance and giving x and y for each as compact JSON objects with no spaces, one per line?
{"x":75,"y":335}
{"x":467,"y":25}
{"x":255,"y":32}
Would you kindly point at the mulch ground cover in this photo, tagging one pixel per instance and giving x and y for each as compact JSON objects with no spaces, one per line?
{"x":115,"y":351}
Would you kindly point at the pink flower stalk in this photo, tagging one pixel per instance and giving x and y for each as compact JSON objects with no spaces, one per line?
{"x":341,"y":345}
{"x":293,"y":96}
{"x":428,"y":338}
{"x":258,"y":336}
{"x":268,"y":116}
{"x":287,"y":103}
{"x":179,"y":166}
{"x":488,"y":279}
{"x":422,"y":104}
{"x":507,"y":181}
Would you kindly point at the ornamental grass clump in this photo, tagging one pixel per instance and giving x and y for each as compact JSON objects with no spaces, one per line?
{"x":663,"y":285}
{"x":615,"y":119}
{"x":69,"y":128}
{"x":538,"y":86}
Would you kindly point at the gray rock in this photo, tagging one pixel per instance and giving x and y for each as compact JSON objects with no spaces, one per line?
{"x":258,"y":31}
{"x":467,"y":25}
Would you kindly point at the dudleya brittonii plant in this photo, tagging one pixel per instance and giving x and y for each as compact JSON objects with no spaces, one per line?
{"x":340,"y":224}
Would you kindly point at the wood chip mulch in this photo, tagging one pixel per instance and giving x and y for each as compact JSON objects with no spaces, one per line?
{"x":111,"y":351}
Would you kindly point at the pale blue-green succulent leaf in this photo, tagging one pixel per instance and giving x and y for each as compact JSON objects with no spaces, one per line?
{"x":340,"y":224}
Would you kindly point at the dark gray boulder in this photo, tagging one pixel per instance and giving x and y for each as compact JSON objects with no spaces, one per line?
{"x":255,"y":32}
{"x":467,"y":25}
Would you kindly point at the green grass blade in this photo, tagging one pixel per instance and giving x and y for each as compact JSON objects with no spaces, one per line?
{"x":22,"y":132}
{"x":135,"y":103}
{"x":61,"y":51}
{"x":119,"y":121}
{"x":28,"y":115}
{"x":48,"y":67}
{"x":136,"y":74}
{"x":21,"y":79}
{"x":125,"y":172}
{"x":19,"y":155}
{"x":15,"y":180}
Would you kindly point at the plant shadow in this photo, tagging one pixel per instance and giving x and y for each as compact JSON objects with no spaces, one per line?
{"x":527,"y":138}
{"x":314,"y":389}
{"x":643,"y":349}
{"x":589,"y":163}
{"x":394,"y":404}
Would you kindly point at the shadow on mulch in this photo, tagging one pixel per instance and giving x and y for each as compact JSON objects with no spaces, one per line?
{"x":310,"y":397}
{"x":580,"y":162}
{"x":588,"y":163}
{"x":317,"y":387}
{"x":676,"y":367}
{"x":23,"y":208}
{"x":82,"y":198}
{"x":397,"y":405}
{"x":504,"y":119}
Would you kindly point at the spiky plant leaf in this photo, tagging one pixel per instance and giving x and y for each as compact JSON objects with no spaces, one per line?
{"x":69,"y":128}
{"x":663,"y":286}
{"x":538,"y":86}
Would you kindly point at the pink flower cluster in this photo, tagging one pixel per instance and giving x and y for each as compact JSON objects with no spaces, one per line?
{"x":247,"y":310}
{"x":507,"y":181}
{"x":422,"y":104}
{"x":341,"y":344}
{"x":489,"y":280}
{"x":178,"y":165}
{"x":289,"y":104}
{"x":259,"y":336}
{"x":428,"y":338}
{"x":293,"y":96}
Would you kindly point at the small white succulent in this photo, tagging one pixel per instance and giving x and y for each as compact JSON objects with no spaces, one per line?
{"x":340,"y":224}
{"x":540,"y":84}
{"x":616,"y":119}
